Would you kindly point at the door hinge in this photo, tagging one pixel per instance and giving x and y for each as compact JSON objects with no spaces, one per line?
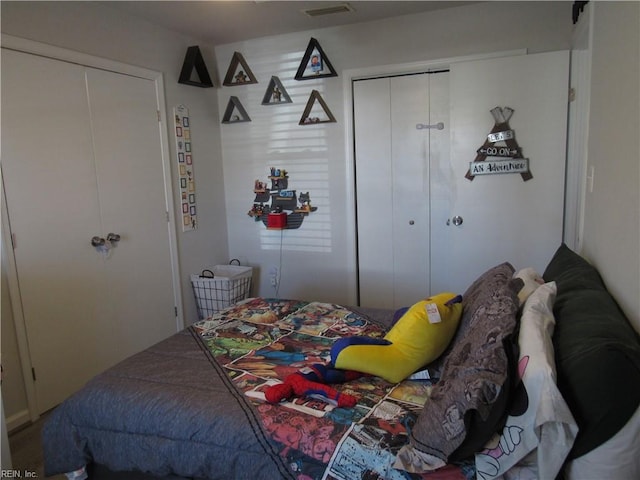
{"x":572,"y":94}
{"x":175,"y":310}
{"x":33,"y":373}
{"x":13,"y":241}
{"x":166,"y":214}
{"x":159,"y":117}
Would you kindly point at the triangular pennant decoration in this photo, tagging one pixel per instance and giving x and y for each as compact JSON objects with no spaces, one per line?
{"x":275,"y":93}
{"x":238,"y":72}
{"x":315,"y":63}
{"x":500,"y":152}
{"x":311,"y":115}
{"x":193,"y":60}
{"x":235,"y":112}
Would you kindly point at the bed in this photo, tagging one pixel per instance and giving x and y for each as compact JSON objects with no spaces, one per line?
{"x":192,"y":406}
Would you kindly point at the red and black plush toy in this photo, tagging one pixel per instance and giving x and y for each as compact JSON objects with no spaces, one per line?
{"x":312,"y":382}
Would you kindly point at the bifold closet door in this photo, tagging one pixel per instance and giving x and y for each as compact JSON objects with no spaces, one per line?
{"x":81,"y":158}
{"x":502,"y":217}
{"x":393,"y":187}
{"x":133,"y":204}
{"x":50,"y":184}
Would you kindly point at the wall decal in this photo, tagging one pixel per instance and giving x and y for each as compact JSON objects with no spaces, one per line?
{"x":500,"y":152}
{"x":193,"y":60}
{"x":315,"y":63}
{"x":238,"y":72}
{"x":278,"y":207}
{"x":186,"y":177}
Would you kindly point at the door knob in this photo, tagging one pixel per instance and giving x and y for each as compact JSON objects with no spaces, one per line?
{"x":97,"y":241}
{"x":457,"y":220}
{"x":113,"y":237}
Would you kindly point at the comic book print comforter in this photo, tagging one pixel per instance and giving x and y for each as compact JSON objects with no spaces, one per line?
{"x":262,"y":341}
{"x":193,"y":406}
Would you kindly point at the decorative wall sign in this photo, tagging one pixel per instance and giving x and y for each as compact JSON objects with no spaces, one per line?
{"x":278,"y":207}
{"x":235,"y":112}
{"x":502,"y":149}
{"x":315,"y":63}
{"x":311,"y":116}
{"x":275,"y":93}
{"x":186,"y":178}
{"x":238,"y":72}
{"x":193,"y":59}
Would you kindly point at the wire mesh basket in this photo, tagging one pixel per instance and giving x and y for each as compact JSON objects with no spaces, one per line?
{"x":220,"y":287}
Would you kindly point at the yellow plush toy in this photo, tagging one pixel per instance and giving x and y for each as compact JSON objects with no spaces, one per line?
{"x":419,"y":337}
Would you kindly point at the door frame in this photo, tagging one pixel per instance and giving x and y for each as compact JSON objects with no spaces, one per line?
{"x":348,"y":77}
{"x":56,"y":53}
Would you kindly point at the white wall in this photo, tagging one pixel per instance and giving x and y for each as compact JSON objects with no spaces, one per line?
{"x":318,"y":259}
{"x":611,"y":236}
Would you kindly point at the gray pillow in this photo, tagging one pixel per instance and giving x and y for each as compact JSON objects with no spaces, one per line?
{"x":469,"y":403}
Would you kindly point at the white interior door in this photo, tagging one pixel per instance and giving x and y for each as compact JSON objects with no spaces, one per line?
{"x":133,"y":204}
{"x":392,"y":159}
{"x":81,"y":157}
{"x":504,"y":218}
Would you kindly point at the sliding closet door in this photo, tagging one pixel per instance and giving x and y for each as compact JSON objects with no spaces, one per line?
{"x":392,"y":186}
{"x":81,"y":157}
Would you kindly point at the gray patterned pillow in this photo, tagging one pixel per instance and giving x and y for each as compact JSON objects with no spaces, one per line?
{"x":470,"y":399}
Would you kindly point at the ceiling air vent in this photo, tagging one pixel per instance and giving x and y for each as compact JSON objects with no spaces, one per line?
{"x":340,"y":8}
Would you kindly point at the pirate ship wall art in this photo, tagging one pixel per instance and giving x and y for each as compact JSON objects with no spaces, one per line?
{"x":277,"y":206}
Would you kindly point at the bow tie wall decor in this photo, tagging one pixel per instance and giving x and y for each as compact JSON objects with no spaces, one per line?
{"x":502,"y":148}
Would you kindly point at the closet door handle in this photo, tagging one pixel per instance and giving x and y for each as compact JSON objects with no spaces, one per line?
{"x":457,"y":220}
{"x":97,"y":241}
{"x":113,"y":237}
{"x":435,"y":126}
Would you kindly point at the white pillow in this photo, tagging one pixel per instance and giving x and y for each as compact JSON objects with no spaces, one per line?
{"x":532,"y":280}
{"x":540,"y":429}
{"x":618,"y":458}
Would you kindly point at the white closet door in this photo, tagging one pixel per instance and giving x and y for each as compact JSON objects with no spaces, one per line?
{"x":133,"y":204}
{"x":81,"y":158}
{"x":374,"y":192}
{"x":504,"y":218}
{"x":393,"y":185}
{"x":50,"y":183}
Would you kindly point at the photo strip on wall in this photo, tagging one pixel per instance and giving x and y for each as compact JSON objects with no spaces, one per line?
{"x":186,"y":177}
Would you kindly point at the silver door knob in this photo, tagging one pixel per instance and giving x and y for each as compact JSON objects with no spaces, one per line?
{"x":457,"y":220}
{"x":97,"y":241}
{"x":411,"y":222}
{"x":113,"y":237}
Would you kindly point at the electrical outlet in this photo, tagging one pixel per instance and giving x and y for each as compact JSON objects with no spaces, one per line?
{"x":273,"y":276}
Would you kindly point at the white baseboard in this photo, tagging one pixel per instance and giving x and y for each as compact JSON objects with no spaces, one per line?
{"x":18,"y":420}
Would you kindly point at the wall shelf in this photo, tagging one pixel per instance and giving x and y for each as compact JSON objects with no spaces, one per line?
{"x":235,"y":112}
{"x":315,"y":63}
{"x":193,"y":60}
{"x":275,"y":94}
{"x":307,"y":120}
{"x":238,"y":72}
